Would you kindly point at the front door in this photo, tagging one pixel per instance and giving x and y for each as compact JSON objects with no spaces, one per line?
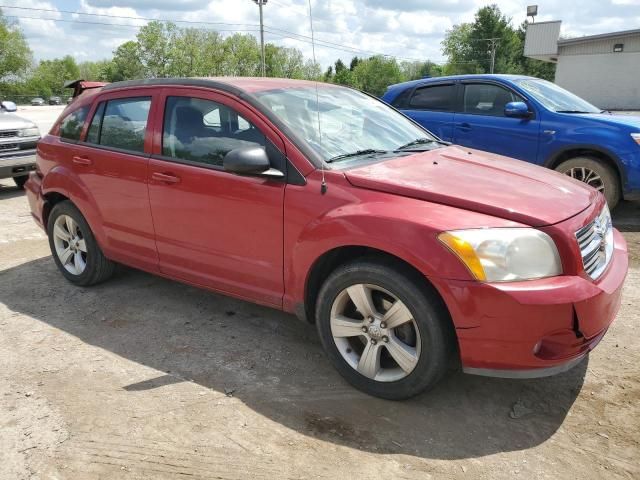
{"x":482,"y":124}
{"x":432,"y":107}
{"x":214,"y":228}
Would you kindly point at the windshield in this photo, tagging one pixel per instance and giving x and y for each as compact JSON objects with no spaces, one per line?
{"x":555,"y":98}
{"x":350,"y":121}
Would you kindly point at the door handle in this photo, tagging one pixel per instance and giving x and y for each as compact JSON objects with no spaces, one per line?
{"x":464,"y":126}
{"x":78,"y":160}
{"x":165,"y":178}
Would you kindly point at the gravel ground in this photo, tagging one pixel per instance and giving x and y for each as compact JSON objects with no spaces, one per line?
{"x":142,"y":377}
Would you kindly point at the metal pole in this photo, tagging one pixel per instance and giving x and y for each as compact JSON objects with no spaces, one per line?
{"x":264,"y":68}
{"x":493,"y":54}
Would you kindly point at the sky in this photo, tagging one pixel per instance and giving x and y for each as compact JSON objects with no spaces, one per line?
{"x":406,"y":29}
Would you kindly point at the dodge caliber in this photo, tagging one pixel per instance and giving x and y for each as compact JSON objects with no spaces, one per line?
{"x":409,"y":254}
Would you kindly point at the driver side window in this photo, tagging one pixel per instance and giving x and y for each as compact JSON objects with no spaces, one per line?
{"x":487,"y":99}
{"x":204,"y":131}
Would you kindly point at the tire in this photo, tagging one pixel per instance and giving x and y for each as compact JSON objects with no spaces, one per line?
{"x":20,"y":181}
{"x":92,"y":267}
{"x":603,"y":177}
{"x":431,"y":345}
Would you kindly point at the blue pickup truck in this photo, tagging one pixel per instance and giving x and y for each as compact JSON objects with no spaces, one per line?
{"x":530,"y":119}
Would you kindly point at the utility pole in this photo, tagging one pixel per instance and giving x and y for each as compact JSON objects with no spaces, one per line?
{"x":494,"y":44}
{"x":260,"y":3}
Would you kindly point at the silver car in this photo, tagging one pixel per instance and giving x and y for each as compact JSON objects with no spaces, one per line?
{"x":18,"y":138}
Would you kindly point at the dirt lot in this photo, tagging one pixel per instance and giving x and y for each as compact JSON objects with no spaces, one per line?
{"x":146,"y":378}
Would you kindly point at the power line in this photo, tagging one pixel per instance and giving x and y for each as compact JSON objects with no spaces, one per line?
{"x":274,"y":30}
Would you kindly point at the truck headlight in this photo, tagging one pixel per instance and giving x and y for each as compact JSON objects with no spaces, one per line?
{"x":29,"y":132}
{"x":505,"y":254}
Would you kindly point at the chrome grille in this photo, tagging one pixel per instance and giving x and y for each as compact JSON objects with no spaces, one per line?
{"x":8,"y":134}
{"x":596,"y":244}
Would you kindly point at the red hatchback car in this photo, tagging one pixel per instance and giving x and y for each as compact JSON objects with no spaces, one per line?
{"x":408,"y":253}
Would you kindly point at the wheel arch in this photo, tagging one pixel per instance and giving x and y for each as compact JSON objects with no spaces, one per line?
{"x":332,"y":259}
{"x":601,"y":153}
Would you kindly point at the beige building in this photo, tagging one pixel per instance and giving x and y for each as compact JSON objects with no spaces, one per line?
{"x":603,"y":69}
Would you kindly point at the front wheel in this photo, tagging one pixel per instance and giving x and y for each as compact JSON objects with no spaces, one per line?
{"x":74,"y":248}
{"x":385,"y":333}
{"x":596,"y":174}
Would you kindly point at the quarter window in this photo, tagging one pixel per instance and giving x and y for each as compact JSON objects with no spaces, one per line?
{"x":204,"y":131}
{"x":93,"y":135}
{"x":121,"y":124}
{"x":436,"y":97}
{"x":487,"y":99}
{"x":71,"y":125}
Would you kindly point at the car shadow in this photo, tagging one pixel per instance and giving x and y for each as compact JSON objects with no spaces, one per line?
{"x":10,"y":191}
{"x":274,"y":364}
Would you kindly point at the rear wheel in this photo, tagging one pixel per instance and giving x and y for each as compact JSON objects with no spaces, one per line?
{"x":74,"y":247}
{"x":20,"y":181}
{"x":594,"y":173}
{"x":385,"y":334}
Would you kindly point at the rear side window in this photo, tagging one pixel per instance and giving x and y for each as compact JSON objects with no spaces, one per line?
{"x":120,"y":123}
{"x":401,"y":100}
{"x":487,"y":99}
{"x":71,"y":125}
{"x":204,"y":131}
{"x":436,"y":97}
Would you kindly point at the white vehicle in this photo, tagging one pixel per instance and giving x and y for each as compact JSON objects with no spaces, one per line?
{"x":18,"y":138}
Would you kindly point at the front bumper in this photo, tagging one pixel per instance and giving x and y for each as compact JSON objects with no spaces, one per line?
{"x":16,"y":166}
{"x":535,"y":328}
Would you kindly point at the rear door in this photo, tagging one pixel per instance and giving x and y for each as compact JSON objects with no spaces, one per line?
{"x":432,"y":107}
{"x":214,"y":228}
{"x":480,"y":122}
{"x":112,"y":162}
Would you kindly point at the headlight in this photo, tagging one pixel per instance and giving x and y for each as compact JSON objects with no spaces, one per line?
{"x":29,"y":132}
{"x":636,"y":137}
{"x":505,"y":254}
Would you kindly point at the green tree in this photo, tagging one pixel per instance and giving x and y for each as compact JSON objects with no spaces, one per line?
{"x":49,"y":76}
{"x":126,"y":64}
{"x":343,"y":75}
{"x":375,"y":74}
{"x":15,"y":58}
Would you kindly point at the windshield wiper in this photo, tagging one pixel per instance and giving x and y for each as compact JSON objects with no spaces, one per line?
{"x":420,"y":141}
{"x":366,"y":151}
{"x":572,"y":111}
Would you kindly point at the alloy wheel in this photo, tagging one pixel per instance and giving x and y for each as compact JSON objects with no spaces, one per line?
{"x":587,"y":176}
{"x":70,"y":245}
{"x":375,"y":332}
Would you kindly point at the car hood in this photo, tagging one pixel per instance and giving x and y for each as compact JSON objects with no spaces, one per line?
{"x":626,"y":120}
{"x":481,"y":182}
{"x":10,"y":121}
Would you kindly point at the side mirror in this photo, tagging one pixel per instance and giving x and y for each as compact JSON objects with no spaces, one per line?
{"x":250,"y":161}
{"x":517,"y":110}
{"x":8,"y":106}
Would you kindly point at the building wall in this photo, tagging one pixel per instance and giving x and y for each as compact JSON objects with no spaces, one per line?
{"x":631,"y":44}
{"x":608,"y":80}
{"x":541,"y":40}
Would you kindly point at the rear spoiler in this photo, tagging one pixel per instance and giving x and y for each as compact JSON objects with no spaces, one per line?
{"x":80,"y":86}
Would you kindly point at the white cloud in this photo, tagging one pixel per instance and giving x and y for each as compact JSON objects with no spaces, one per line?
{"x":402,"y":28}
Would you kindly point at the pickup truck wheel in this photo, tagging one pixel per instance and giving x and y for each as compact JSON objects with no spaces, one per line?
{"x":74,"y":247}
{"x":20,"y":181}
{"x":596,"y":174}
{"x":383,"y":333}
